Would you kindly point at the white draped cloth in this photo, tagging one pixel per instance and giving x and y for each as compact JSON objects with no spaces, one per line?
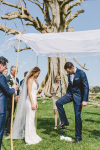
{"x":64,"y":44}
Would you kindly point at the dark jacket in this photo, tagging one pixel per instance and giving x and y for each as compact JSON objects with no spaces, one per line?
{"x":21,"y":82}
{"x":5,"y":91}
{"x":10,"y":84}
{"x":79,"y":90}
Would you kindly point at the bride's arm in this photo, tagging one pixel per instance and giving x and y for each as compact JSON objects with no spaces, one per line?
{"x":29,"y":85}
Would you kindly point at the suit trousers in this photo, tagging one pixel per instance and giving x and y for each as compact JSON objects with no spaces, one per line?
{"x":8,"y":118}
{"x":2,"y":126}
{"x":77,"y":109}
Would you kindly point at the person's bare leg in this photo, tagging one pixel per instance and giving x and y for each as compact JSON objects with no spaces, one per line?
{"x":59,"y":121}
{"x":55,"y":116}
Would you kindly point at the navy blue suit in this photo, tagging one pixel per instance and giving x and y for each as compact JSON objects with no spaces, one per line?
{"x":76,"y":92}
{"x":4,"y":92}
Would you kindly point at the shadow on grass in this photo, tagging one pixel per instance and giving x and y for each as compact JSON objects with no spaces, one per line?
{"x":48,"y":125}
{"x":92,"y":113}
{"x":93,"y":121}
{"x":94,"y":133}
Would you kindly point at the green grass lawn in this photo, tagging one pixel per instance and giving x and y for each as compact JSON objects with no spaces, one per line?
{"x":51,"y":138}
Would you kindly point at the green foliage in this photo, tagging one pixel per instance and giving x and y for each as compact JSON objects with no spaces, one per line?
{"x":95,"y":89}
{"x":51,"y":138}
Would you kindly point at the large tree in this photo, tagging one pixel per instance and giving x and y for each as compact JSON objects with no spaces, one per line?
{"x":57,"y":15}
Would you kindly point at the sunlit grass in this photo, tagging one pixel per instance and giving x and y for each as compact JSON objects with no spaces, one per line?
{"x":51,"y":138}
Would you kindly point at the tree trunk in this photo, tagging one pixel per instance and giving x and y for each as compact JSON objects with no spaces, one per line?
{"x":55,"y":66}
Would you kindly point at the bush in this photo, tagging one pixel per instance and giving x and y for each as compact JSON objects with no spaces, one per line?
{"x":95,"y":89}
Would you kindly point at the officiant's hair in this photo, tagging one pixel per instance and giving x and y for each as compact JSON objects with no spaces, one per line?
{"x":56,"y":77}
{"x":12,"y":68}
{"x":32,"y":72}
{"x":68,"y":65}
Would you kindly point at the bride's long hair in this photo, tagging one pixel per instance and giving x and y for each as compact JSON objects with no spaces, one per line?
{"x":32,"y":72}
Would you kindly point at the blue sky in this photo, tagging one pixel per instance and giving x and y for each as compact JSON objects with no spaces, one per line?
{"x":89,"y":20}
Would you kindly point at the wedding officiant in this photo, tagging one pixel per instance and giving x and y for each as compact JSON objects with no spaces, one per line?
{"x":57,"y":90}
{"x":10,"y":81}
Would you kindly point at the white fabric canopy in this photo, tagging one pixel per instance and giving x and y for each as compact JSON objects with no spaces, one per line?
{"x":64,"y":44}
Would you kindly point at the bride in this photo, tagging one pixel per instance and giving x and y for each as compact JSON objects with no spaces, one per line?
{"x":24,"y":123}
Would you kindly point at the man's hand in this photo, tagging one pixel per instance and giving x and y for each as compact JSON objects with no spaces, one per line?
{"x":16,"y":99}
{"x":84,"y":103}
{"x":15,"y":87}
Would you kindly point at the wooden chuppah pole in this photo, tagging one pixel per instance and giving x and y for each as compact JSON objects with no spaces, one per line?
{"x":35,"y":110}
{"x":13,"y":99}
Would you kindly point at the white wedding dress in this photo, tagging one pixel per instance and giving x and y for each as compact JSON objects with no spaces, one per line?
{"x":24,"y":123}
{"x":30,"y":132}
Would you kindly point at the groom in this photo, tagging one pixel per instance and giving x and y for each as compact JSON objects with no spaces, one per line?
{"x":4,"y":92}
{"x":77,"y":92}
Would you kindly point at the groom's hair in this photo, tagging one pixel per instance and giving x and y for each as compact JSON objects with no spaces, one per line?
{"x":3,"y":60}
{"x":68,"y":65}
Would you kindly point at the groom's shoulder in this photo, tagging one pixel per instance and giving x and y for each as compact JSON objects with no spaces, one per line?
{"x":80,"y":71}
{"x":1,"y":76}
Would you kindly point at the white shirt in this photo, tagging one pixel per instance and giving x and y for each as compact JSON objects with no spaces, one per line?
{"x":13,"y":78}
{"x":72,"y":75}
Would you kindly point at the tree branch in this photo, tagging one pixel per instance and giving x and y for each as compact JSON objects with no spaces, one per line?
{"x":72,"y":17}
{"x":65,"y":3}
{"x":25,"y":48}
{"x":41,"y":27}
{"x":24,"y":3}
{"x":40,"y":24}
{"x":26,"y":16}
{"x":29,"y":23}
{"x":66,"y":15}
{"x":22,"y":15}
{"x":47,"y":16}
{"x":70,"y":6}
{"x":80,"y":64}
{"x":39,"y":2}
{"x":9,"y":4}
{"x":8,"y":30}
{"x":10,"y":16}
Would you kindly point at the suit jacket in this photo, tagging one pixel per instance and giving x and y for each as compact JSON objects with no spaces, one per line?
{"x":79,"y":90}
{"x":5,"y":91}
{"x":21,"y":82}
{"x":10,"y":83}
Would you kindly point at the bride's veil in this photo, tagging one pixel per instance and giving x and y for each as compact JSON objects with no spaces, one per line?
{"x":18,"y":131}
